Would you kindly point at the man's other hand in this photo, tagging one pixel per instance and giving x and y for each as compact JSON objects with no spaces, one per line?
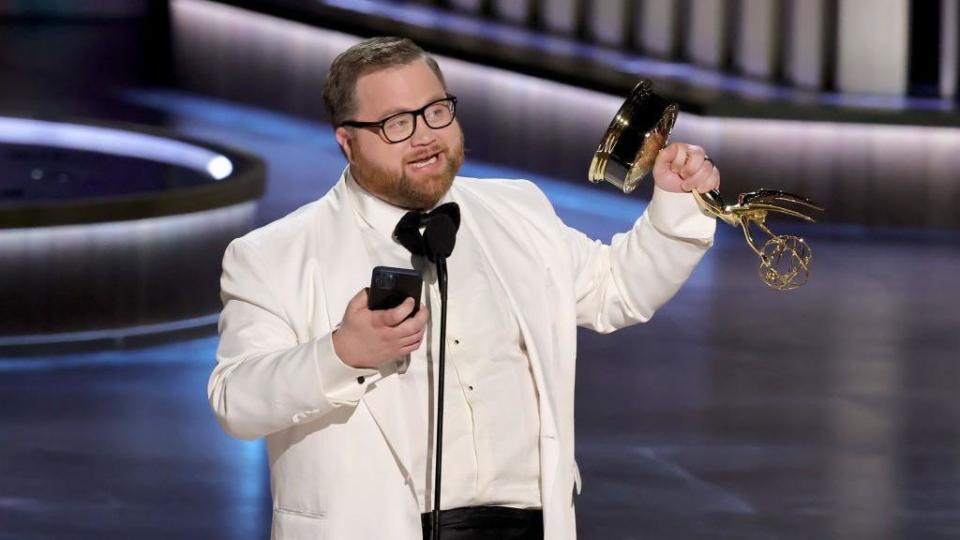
{"x":370,"y":338}
{"x":684,"y":167}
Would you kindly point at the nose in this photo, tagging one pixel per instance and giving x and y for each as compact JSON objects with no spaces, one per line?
{"x":422,"y":133}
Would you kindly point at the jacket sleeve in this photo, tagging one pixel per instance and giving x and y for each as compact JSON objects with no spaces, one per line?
{"x":627,"y":281}
{"x":265,"y":379}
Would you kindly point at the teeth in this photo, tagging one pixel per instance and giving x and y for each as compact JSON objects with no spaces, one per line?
{"x":424,"y":163}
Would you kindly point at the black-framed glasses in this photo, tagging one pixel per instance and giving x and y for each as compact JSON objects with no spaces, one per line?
{"x":399,"y":127}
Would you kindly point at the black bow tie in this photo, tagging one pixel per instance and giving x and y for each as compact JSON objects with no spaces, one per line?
{"x":407,"y":232}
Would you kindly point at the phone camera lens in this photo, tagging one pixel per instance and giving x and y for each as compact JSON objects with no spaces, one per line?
{"x":385,"y":281}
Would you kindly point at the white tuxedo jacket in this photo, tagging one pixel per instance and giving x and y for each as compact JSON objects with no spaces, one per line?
{"x":340,"y":472}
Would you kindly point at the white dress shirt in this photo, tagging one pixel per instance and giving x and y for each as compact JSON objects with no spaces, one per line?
{"x":491,"y":416}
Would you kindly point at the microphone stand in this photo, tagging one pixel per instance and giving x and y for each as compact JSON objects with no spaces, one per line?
{"x":436,"y":243}
{"x":438,"y":443}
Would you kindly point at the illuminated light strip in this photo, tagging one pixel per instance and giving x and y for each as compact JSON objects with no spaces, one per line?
{"x":116,"y":142}
{"x":153,"y":229}
{"x":110,"y":334}
{"x":193,"y":350}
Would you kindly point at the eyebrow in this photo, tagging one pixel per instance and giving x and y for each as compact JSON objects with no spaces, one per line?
{"x":395,"y":110}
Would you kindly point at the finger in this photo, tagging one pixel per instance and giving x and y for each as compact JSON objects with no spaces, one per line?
{"x":393,"y":316}
{"x":401,"y":312}
{"x":412,"y":339}
{"x":676,"y":165}
{"x":416,"y":334}
{"x":699,"y":179}
{"x":712,"y":183}
{"x":695,"y":158}
{"x":664,"y":158}
{"x":668,"y":154}
{"x":359,"y":301}
{"x":422,"y":315}
{"x":412,"y":324}
{"x":410,"y":348}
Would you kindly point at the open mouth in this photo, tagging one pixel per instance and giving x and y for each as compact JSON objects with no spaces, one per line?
{"x":427,"y":161}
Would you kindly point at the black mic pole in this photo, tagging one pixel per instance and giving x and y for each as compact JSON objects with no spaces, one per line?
{"x":438,"y":453}
{"x":438,"y":239}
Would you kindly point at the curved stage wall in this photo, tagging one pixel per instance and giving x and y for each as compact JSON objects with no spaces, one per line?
{"x":111,"y":233}
{"x":867,"y":173}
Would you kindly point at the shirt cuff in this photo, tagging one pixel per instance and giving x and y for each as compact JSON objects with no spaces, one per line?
{"x":679,"y":215}
{"x":341,"y":384}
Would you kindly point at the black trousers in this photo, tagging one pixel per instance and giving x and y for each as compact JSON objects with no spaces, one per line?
{"x":486,"y":523}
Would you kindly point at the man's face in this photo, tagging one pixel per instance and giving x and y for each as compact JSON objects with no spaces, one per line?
{"x":412,"y":174}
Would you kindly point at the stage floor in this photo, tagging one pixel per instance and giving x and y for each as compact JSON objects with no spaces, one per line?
{"x":737,"y":412}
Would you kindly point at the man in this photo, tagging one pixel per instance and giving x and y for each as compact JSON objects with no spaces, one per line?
{"x":345,"y":396}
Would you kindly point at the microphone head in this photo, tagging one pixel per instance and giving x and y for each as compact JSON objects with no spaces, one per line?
{"x":439,"y":237}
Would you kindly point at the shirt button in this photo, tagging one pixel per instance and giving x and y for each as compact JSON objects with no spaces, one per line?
{"x":470,"y":388}
{"x":361,"y":379}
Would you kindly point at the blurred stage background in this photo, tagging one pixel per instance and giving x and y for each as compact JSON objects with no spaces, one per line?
{"x":137,"y":137}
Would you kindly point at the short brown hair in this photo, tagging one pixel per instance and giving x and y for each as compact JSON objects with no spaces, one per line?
{"x":365,"y":57}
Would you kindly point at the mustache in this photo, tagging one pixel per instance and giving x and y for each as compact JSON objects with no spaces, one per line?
{"x":425,"y":153}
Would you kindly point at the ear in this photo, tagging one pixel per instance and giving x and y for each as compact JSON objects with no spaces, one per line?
{"x":345,"y":142}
